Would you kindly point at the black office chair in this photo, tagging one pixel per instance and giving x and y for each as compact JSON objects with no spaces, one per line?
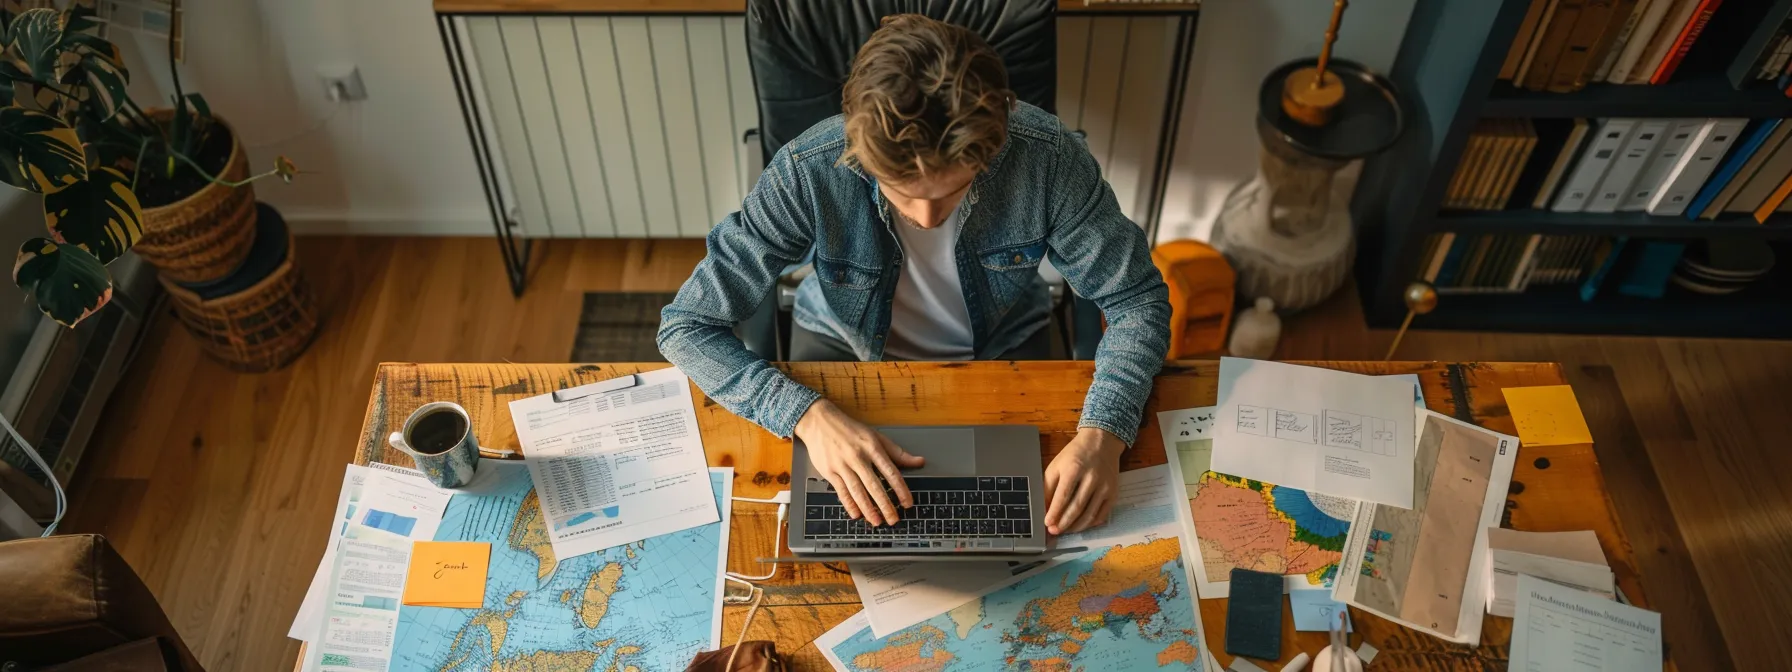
{"x":801,"y":52}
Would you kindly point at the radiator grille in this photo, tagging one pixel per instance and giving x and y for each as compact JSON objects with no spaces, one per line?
{"x":634,"y":126}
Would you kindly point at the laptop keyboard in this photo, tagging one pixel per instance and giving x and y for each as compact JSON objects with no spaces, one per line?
{"x":951,"y":507}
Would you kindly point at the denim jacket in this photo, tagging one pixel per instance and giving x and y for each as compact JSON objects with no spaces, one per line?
{"x":1041,"y":197}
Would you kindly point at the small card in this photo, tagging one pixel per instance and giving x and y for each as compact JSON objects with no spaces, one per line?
{"x":448,"y":574}
{"x":1547,"y":416}
{"x":1316,"y":611}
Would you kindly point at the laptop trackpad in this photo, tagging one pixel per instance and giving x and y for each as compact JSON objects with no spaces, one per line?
{"x":950,"y":451}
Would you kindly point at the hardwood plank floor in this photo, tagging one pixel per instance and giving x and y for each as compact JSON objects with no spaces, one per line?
{"x":218,"y":486}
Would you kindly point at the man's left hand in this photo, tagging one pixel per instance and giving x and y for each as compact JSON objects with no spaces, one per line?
{"x":1082,"y":481}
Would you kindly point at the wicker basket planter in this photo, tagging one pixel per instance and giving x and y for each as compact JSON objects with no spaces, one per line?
{"x":206,"y":236}
{"x":258,"y":319}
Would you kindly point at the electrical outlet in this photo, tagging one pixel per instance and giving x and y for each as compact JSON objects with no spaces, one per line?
{"x":343,"y":84}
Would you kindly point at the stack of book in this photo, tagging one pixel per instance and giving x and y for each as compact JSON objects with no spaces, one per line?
{"x":1493,"y":160}
{"x":1766,"y":58}
{"x":1509,"y":263}
{"x":1563,"y":45}
{"x":1696,"y":168}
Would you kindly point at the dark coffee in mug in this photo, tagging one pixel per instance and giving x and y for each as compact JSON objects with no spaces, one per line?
{"x":437,"y":432}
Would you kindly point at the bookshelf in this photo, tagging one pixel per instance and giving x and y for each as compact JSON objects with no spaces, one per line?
{"x":1447,"y":72}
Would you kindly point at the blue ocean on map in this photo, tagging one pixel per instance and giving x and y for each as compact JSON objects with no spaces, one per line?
{"x":1300,"y":507}
{"x":648,"y":604}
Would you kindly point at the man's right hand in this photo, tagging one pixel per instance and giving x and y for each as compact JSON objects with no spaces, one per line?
{"x":852,"y":456}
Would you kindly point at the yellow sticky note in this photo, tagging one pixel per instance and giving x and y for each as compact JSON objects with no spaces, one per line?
{"x":1547,"y":415}
{"x":448,"y":574}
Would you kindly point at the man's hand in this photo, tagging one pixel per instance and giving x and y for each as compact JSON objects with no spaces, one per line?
{"x":852,"y":457}
{"x":1082,"y":481}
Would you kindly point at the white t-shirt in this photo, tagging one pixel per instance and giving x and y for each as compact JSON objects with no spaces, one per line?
{"x":928,"y":317}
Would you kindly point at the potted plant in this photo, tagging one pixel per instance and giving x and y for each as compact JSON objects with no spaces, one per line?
{"x":71,"y":132}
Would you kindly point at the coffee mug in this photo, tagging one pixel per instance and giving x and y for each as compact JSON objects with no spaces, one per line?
{"x":439,"y":437}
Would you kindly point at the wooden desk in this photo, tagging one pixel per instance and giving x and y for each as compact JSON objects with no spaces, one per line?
{"x":1554,"y":488}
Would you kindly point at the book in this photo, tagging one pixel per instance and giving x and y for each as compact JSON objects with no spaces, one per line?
{"x":1527,"y":147}
{"x":1469,"y":167}
{"x":1571,"y":148}
{"x":1762,"y":46}
{"x":1593,"y":163}
{"x":1521,"y":43}
{"x":1616,"y":49}
{"x":1442,"y":242}
{"x":1530,"y":53}
{"x":1606,"y":260}
{"x":1697,"y":163}
{"x":1773,"y":201}
{"x":1555,"y":39}
{"x":1446,"y":274}
{"x":1627,"y":165}
{"x":1639,"y":41}
{"x":1650,"y":269}
{"x":1684,"y":42}
{"x":1679,"y":135}
{"x":1663,"y":42}
{"x":1614,"y":25}
{"x":1511,"y":159}
{"x":1782,"y":51}
{"x":1572,"y":63}
{"x":1521,"y":274}
{"x":1738,"y":167}
{"x":1499,"y":143}
{"x":1760,"y":186}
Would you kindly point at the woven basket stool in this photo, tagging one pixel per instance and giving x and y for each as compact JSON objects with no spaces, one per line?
{"x":261,"y":317}
{"x":204,"y":237}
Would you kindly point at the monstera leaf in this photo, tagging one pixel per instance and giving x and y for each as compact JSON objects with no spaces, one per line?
{"x":68,"y":283}
{"x":91,"y":69}
{"x":100,"y":215}
{"x":38,"y":152}
{"x":33,"y":40}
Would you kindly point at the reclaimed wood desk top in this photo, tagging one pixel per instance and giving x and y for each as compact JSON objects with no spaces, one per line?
{"x":1554,"y":488}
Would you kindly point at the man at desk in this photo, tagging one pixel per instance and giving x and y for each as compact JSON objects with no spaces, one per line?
{"x":929,"y":205}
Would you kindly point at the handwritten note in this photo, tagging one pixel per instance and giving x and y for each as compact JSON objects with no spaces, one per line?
{"x":1547,"y":415}
{"x":448,"y":574}
{"x":1315,"y":610}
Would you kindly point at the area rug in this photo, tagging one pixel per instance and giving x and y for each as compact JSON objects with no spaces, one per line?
{"x":619,"y":327}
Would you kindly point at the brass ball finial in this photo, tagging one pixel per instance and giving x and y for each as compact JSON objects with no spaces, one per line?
{"x":1421,"y":297}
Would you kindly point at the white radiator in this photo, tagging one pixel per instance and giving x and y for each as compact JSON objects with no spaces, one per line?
{"x":634,"y":127}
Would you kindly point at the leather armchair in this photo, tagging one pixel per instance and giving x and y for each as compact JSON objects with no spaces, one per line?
{"x":71,"y":603}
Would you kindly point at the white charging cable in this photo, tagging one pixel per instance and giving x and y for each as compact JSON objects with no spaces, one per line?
{"x":62,"y":498}
{"x":783,"y":501}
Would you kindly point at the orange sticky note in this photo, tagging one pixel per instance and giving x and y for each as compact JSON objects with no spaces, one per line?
{"x":448,"y":574}
{"x":1547,"y":415}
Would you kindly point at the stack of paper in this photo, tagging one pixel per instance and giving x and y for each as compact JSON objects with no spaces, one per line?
{"x":1560,"y":628}
{"x":1571,"y":559}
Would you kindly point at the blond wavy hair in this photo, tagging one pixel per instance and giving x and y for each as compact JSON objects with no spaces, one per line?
{"x":924,"y":95}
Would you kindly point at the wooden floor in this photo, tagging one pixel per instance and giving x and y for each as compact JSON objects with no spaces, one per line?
{"x":218,"y":487}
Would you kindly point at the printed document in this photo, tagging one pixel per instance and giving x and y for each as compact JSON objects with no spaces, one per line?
{"x":1560,"y":628}
{"x":398,"y":490}
{"x":1572,"y":559}
{"x":1425,"y":567}
{"x":900,"y":594}
{"x":361,"y":610}
{"x":616,"y":466}
{"x":1340,"y":434}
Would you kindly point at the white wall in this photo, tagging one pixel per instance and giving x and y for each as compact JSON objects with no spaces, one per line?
{"x":397,"y":162}
{"x":1236,"y":44}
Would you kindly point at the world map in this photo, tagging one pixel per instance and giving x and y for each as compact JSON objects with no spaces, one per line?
{"x":1114,"y":609}
{"x":649,"y":605}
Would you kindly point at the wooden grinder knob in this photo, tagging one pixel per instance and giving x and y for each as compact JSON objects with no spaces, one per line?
{"x":1310,"y":94}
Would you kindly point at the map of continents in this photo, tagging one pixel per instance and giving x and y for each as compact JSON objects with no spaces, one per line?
{"x":1258,"y":526}
{"x":1113,"y":609}
{"x":645,"y":606}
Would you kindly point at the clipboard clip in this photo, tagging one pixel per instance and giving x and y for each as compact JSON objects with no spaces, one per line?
{"x":599,"y":387}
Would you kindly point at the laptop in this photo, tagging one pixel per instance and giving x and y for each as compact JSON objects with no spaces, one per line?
{"x":981,"y":493}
